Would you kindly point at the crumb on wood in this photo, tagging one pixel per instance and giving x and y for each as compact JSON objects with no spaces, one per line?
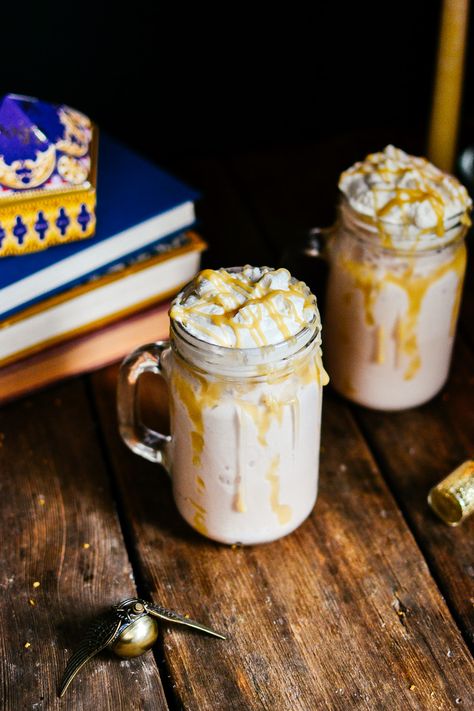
{"x":32,"y":602}
{"x":41,"y":500}
{"x":27,"y":644}
{"x":36,"y":584}
{"x":400,"y":608}
{"x":412,"y":687}
{"x":86,"y":545}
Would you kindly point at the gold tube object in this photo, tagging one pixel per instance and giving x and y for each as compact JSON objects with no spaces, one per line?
{"x":448,"y":84}
{"x":453,"y":498}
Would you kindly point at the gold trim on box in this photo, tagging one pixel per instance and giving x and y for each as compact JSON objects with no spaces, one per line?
{"x":196,"y":244}
{"x":28,"y":204}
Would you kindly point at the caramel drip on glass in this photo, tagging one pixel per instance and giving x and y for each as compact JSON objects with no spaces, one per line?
{"x":239,"y":502}
{"x":262,"y":415}
{"x":199,"y":518}
{"x":415,"y":287}
{"x":283,"y":511}
{"x":379,"y":356}
{"x":198,"y":393}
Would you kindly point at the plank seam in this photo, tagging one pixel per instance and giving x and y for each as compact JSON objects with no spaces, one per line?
{"x":372,"y":448}
{"x":138,"y":579}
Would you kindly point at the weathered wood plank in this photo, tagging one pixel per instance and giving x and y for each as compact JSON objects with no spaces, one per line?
{"x":60,"y":529}
{"x":341,"y":614}
{"x":419,"y":447}
{"x":327,"y":618}
{"x":282,"y":195}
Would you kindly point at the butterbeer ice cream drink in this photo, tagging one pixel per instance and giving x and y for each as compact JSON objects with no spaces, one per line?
{"x":397,"y":259}
{"x":245,"y":378}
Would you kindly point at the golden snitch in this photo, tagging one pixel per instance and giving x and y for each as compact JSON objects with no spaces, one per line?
{"x":128,"y":629}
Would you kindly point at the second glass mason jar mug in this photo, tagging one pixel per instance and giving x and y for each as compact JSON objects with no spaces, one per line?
{"x":243,"y":452}
{"x":391,"y":313}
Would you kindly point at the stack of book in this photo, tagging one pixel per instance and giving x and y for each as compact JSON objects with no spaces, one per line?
{"x":79,"y":306}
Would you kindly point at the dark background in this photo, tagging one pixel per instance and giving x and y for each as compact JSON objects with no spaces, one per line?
{"x":191,"y":82}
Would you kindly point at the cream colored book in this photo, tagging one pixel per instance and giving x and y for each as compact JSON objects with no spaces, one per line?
{"x":101,"y":301}
{"x":85,"y":353}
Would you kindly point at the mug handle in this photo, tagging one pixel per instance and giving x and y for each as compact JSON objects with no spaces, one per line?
{"x":316,"y":242}
{"x":316,"y":245}
{"x":138,"y":437}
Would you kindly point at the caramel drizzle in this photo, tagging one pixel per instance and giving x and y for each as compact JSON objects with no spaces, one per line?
{"x":283,"y":511}
{"x":199,"y":518}
{"x":428,"y":191}
{"x":370,"y":285}
{"x":226,"y":284}
{"x":196,"y":393}
{"x":240,"y":504}
{"x":379,"y":356}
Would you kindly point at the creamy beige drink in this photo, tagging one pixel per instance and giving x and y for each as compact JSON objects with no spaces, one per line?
{"x":397,"y":265}
{"x":246,"y":378}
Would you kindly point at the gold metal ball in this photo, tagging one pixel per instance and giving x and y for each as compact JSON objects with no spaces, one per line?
{"x":137,"y":638}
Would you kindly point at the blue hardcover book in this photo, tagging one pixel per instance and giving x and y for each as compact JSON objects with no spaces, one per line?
{"x":138,"y":205}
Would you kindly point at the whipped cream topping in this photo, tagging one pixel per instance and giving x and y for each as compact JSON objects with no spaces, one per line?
{"x":249,"y":308}
{"x":396,"y":189}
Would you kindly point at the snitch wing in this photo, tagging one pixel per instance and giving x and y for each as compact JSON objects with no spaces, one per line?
{"x":100,"y":634}
{"x":175,"y":617}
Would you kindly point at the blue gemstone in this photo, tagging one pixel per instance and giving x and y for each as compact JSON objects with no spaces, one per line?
{"x":41,"y":225}
{"x":20,"y":230}
{"x":63,"y":221}
{"x":84,"y":217}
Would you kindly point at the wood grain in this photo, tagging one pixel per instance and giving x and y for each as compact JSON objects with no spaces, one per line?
{"x":341,"y":614}
{"x":419,"y":447}
{"x":416,"y":448}
{"x":60,"y":529}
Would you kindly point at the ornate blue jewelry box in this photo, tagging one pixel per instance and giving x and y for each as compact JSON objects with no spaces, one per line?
{"x":48,"y":161}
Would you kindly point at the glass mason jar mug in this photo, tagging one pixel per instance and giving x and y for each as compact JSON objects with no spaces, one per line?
{"x":243,"y":452}
{"x":391,"y":312}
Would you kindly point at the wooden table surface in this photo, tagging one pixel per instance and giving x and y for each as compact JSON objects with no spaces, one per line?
{"x":368,"y":605}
